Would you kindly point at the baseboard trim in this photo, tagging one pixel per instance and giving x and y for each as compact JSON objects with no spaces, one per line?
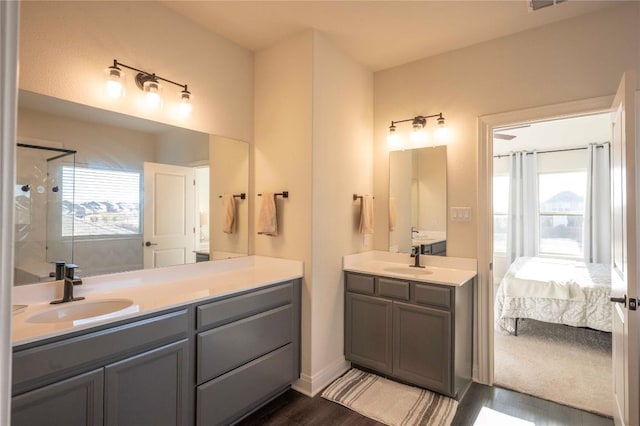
{"x":312,"y":385}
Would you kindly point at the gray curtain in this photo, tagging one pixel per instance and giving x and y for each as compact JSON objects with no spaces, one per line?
{"x":597,"y":206}
{"x":523,"y":226}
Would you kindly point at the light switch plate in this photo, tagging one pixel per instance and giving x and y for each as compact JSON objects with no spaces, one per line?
{"x":461,"y":214}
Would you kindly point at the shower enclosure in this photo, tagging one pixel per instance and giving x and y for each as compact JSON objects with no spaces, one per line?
{"x":44,"y":211}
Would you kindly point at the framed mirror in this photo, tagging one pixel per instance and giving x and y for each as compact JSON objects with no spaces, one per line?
{"x":418,"y":200}
{"x":114,"y":193}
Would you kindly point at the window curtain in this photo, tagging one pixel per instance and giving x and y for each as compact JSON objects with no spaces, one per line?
{"x":597,"y":206}
{"x":523,"y":205}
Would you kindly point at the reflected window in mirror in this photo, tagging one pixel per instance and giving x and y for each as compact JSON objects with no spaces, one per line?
{"x":418,"y":200}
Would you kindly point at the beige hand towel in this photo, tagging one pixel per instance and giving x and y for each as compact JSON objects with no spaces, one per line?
{"x":267,"y":219}
{"x":229,"y":214}
{"x":392,"y":214}
{"x":366,"y":215}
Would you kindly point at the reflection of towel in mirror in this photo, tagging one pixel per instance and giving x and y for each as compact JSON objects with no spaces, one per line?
{"x":267,"y":219}
{"x":229,"y":214}
{"x":392,"y":214}
{"x":366,"y":215}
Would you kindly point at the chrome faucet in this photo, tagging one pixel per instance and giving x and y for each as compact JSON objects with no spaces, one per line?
{"x":70,"y":280}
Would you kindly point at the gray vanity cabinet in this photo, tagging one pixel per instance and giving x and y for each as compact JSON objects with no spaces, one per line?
{"x":138,"y":374}
{"x":368,"y":322}
{"x":422,"y":346}
{"x":76,"y":401}
{"x":419,"y":333}
{"x":210,"y":362}
{"x":149,"y":389}
{"x":248,"y":351}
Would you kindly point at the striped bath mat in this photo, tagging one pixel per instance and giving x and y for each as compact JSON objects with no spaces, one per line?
{"x":390,"y":402}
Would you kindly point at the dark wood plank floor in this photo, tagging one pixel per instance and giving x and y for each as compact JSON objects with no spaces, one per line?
{"x":293,"y":408}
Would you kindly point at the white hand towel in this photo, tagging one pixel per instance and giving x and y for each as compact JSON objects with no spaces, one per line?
{"x":229,"y":214}
{"x":366,"y":215}
{"x":267,"y":219}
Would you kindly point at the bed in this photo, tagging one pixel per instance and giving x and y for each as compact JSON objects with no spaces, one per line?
{"x":556,"y":291}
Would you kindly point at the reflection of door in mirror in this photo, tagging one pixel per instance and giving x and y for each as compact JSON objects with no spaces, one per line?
{"x":169,"y":215}
{"x":418,"y":200}
{"x":108,"y":193}
{"x":40,"y":210}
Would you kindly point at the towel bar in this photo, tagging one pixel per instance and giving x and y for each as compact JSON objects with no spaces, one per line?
{"x":356,"y":196}
{"x":283,"y":194}
{"x":242,"y":196}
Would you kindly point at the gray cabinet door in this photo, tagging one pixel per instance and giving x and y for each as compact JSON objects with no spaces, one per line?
{"x":422,"y":348}
{"x":73,"y":402}
{"x":150,"y":388}
{"x":368,"y":331}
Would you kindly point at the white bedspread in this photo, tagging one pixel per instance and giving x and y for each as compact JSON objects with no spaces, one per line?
{"x":554,"y":290}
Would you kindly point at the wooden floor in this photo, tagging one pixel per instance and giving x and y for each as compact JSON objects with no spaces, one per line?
{"x":293,"y":408}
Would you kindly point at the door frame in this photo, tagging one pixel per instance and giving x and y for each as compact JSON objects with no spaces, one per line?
{"x":9,"y":30}
{"x":483,"y":366}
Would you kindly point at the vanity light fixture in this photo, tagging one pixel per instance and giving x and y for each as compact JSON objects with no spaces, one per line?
{"x":418,"y":135}
{"x":149,"y":83}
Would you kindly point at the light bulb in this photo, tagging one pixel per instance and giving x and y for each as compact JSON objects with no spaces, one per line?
{"x":393,"y":139}
{"x":443,"y":135}
{"x":418,"y":137}
{"x":184,"y":107}
{"x":114,"y":82}
{"x":152,"y":93}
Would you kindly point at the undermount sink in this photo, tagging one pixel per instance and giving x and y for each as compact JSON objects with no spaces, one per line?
{"x":84,"y":311}
{"x":408,"y":270}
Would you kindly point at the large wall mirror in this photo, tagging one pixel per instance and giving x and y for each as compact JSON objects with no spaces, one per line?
{"x":114,"y":193}
{"x":418,"y":200}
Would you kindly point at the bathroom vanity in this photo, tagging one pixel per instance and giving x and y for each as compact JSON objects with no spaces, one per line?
{"x":411,"y":324}
{"x":220,"y":345}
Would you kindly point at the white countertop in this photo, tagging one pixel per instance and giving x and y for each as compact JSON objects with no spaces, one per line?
{"x":453,"y":271}
{"x":150,"y":290}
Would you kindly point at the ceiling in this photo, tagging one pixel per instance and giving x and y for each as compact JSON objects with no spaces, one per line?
{"x":563,"y":133}
{"x":378,"y":34}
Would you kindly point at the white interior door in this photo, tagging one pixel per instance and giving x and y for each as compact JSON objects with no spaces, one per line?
{"x":169,"y":215}
{"x":624,"y":291}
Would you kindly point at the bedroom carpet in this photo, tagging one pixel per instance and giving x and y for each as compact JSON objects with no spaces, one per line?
{"x":568,"y":365}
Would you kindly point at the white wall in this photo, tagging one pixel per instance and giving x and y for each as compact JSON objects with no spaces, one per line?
{"x":342,"y":166}
{"x":282,"y":157}
{"x":575,"y":59}
{"x":66,"y":45}
{"x":313,"y":130}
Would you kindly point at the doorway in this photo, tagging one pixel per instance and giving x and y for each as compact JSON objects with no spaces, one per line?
{"x":551,"y":260}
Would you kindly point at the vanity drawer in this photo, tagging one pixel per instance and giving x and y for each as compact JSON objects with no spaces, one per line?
{"x":232,"y":345}
{"x":427,"y":294}
{"x":44,"y":364}
{"x":223,"y":400}
{"x":396,"y":289}
{"x":360,"y":283}
{"x":228,"y":310}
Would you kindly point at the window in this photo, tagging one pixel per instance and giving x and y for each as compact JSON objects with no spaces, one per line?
{"x":500,"y":211}
{"x":561,"y":212}
{"x":105,"y":202}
